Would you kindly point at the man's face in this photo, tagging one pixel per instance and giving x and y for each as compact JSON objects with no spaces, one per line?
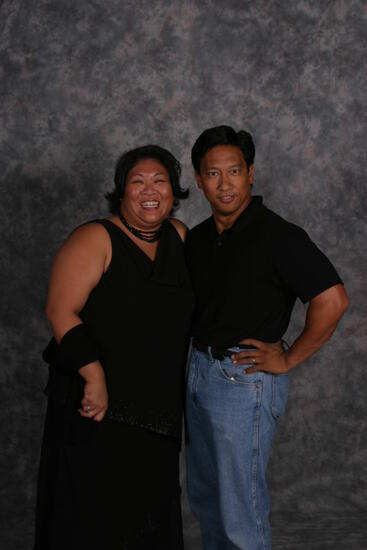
{"x":225,"y":180}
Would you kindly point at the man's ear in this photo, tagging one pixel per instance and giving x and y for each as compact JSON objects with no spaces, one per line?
{"x":198,"y":180}
{"x":251,"y":174}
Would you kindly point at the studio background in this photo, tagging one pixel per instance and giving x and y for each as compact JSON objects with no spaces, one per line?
{"x":83,"y":81}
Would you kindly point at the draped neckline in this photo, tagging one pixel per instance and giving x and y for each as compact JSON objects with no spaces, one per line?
{"x":161,"y":270}
{"x":135,"y":245}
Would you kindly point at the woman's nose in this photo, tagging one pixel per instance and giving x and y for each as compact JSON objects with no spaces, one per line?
{"x":149,"y":186}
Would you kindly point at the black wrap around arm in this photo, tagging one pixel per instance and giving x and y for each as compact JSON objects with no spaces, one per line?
{"x":76,"y":349}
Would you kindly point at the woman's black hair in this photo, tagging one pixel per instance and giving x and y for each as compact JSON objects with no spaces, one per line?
{"x":130,"y":158}
{"x":222,"y":135}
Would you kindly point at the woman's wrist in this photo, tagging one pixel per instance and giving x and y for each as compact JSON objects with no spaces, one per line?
{"x":93,"y":372}
{"x":77,"y":349}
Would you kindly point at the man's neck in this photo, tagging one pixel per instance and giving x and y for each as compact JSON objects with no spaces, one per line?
{"x":224,"y":222}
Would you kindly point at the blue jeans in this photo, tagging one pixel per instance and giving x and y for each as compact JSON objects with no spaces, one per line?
{"x":231,"y":420}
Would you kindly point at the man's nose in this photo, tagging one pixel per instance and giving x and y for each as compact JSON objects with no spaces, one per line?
{"x":224,"y":181}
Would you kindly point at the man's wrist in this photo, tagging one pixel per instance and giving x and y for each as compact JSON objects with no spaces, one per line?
{"x":289,"y":359}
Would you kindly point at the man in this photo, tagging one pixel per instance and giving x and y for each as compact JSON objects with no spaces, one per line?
{"x":248,"y":266}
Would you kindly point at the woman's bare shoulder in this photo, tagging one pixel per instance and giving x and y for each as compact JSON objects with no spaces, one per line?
{"x":86,"y":238}
{"x":180,"y":227}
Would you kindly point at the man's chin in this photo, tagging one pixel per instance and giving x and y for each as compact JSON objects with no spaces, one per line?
{"x":234,"y":208}
{"x":227,"y":209}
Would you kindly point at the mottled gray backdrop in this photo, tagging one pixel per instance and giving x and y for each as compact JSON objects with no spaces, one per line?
{"x":82,"y":81}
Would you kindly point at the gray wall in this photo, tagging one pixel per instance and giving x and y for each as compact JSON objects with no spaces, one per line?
{"x":83,"y":81}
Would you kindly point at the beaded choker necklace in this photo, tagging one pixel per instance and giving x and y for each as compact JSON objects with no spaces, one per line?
{"x":148,"y":236}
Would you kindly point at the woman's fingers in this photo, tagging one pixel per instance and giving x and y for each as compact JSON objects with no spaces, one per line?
{"x":97,"y":413}
{"x":95,"y":400}
{"x":99,"y":416}
{"x":87,"y":405}
{"x":88,"y":413}
{"x":88,"y":408}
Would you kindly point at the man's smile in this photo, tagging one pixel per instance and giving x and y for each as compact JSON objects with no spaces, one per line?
{"x":226,"y":198}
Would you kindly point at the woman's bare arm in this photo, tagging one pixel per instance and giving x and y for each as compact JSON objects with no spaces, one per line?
{"x":77,"y":269}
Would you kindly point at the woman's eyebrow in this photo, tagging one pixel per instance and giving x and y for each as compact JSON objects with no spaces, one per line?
{"x":155,"y":174}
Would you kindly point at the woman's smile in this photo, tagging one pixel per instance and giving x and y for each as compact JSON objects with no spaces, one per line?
{"x":150,"y":204}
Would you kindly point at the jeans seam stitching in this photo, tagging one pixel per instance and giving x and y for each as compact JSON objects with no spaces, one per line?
{"x":273,"y":398}
{"x":256,"y":460}
{"x":195,"y":380}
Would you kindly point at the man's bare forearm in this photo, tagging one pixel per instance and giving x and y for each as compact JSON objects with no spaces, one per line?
{"x":323,"y":316}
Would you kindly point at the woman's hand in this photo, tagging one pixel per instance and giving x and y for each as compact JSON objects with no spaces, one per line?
{"x":95,"y":399}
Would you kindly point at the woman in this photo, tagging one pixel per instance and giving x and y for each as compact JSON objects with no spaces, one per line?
{"x":120,"y":305}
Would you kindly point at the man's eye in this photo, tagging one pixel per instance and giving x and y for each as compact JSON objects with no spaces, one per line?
{"x":212,"y":173}
{"x":235,"y":171}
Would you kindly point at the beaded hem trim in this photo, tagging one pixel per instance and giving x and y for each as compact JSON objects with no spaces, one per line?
{"x":160,"y":421}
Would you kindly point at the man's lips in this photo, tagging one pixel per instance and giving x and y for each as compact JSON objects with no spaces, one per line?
{"x":227,"y":198}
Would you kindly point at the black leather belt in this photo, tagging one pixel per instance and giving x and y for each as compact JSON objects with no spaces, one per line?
{"x":218,"y":353}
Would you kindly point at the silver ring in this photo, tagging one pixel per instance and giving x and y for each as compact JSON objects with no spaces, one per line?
{"x":254,"y":361}
{"x":88,"y":408}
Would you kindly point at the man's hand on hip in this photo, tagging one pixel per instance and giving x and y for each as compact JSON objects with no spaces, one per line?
{"x":266,"y":357}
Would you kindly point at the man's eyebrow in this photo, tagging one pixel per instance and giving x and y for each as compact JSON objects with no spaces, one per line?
{"x":238,"y":165}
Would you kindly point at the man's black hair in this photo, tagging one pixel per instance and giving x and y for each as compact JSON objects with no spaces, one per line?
{"x":128,"y":160}
{"x":222,"y":135}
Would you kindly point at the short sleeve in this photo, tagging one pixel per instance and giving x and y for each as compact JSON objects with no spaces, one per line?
{"x":301,"y":265}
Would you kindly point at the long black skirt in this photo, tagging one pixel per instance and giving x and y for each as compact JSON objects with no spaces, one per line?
{"x":106,"y":485}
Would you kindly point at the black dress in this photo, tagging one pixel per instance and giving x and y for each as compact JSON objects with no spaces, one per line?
{"x":115,"y":484}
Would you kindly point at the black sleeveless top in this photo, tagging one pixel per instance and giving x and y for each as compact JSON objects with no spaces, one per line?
{"x":139,"y":315}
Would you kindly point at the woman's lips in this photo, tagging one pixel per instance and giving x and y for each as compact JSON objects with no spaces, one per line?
{"x":149,"y":204}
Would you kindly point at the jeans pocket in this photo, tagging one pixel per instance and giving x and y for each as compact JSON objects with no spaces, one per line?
{"x":236,"y":375}
{"x":280,"y":388}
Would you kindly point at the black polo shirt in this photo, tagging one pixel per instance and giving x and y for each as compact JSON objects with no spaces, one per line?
{"x":247,"y":278}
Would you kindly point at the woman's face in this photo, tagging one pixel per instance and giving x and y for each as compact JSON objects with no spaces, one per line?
{"x":148,"y":196}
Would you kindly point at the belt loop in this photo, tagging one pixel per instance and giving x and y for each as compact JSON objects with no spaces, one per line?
{"x":284,"y":344}
{"x":210,"y":352}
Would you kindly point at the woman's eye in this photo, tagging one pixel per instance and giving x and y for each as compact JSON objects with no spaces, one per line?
{"x":136,"y":181}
